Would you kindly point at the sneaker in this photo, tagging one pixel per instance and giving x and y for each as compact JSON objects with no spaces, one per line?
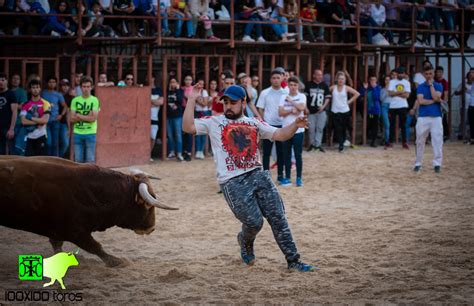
{"x":341,"y":149}
{"x":419,"y":45}
{"x":320,"y":149}
{"x":212,"y":37}
{"x":261,"y":39}
{"x":246,"y":251}
{"x":285,"y":182}
{"x":55,"y":34}
{"x":187,"y":157}
{"x":310,"y":148}
{"x":388,"y":146}
{"x":171,"y":155}
{"x":347,"y":143}
{"x":247,"y":38}
{"x":180,"y":157}
{"x":437,"y":169}
{"x":301,"y":266}
{"x":290,"y":34}
{"x":417,"y":168}
{"x":199,"y":155}
{"x":280,"y":180}
{"x":299,"y":182}
{"x":405,"y":146}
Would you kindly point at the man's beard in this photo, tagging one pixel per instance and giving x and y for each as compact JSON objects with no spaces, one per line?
{"x":232,"y":116}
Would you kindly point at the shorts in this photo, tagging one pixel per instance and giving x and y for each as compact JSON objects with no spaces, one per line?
{"x":154,"y":131}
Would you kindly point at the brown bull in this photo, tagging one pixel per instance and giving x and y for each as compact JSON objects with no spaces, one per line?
{"x":67,"y":201}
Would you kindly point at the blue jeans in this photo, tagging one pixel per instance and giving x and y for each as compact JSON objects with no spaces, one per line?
{"x":179,"y":26}
{"x":84,"y":148}
{"x":386,"y":121}
{"x":448,"y":18}
{"x":20,"y":140}
{"x":249,"y":26}
{"x":164,"y":22}
{"x":53,"y":138}
{"x":294,"y":144}
{"x":267,"y":152}
{"x":410,"y":119}
{"x":174,"y":134}
{"x":63,"y":139}
{"x":368,"y":21}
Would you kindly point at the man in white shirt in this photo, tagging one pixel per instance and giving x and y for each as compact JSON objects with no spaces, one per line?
{"x":248,"y":190}
{"x":268,"y":105}
{"x":378,"y":14}
{"x":399,"y":90}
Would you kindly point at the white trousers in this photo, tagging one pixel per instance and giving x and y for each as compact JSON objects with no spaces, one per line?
{"x":424,"y":127}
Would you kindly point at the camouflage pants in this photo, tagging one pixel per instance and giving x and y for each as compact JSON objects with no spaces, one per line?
{"x":253,"y":196}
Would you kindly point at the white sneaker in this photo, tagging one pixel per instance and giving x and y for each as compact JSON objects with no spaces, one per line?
{"x":347,"y":143}
{"x":247,"y":38}
{"x":261,"y":39}
{"x":171,"y":155}
{"x":55,"y":34}
{"x":199,"y":155}
{"x":180,"y":157}
{"x":419,"y":45}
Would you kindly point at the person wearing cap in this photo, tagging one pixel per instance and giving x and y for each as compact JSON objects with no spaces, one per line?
{"x":429,"y":120}
{"x":268,"y":104}
{"x":247,"y":188}
{"x":399,"y":90}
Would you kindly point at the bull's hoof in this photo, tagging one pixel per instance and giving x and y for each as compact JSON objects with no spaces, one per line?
{"x":115,"y":262}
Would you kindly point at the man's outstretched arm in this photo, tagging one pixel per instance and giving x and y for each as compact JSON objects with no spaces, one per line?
{"x":285,"y":133}
{"x":188,"y":116}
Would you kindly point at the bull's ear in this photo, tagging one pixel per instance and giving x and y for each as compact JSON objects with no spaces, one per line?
{"x":76,"y":251}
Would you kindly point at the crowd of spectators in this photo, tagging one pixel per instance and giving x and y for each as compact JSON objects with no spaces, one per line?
{"x":285,"y":19}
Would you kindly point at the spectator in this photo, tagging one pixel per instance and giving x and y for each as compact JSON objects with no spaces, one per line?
{"x":103,"y":82}
{"x":268,"y":104}
{"x":213,"y":95}
{"x":341,"y":15}
{"x":187,"y":138}
{"x":290,"y":13}
{"x":55,"y":99}
{"x":20,"y":97}
{"x":271,"y":13}
{"x":123,"y":7}
{"x":292,"y":106}
{"x":468,"y":6}
{"x":419,"y":76}
{"x":449,"y":16}
{"x":245,"y":81}
{"x":199,"y":12}
{"x":372,"y":93}
{"x":318,"y":98}
{"x":64,"y":129}
{"x":35,"y":116}
{"x":164,"y":13}
{"x":156,"y":102}
{"x":174,"y":99}
{"x":217,"y":104}
{"x":365,"y":19}
{"x":378,"y":14}
{"x":87,"y":26}
{"x":429,"y":121}
{"x":84,"y":112}
{"x":129,"y":80}
{"x":309,"y":15}
{"x":77,"y":81}
{"x":399,"y":90}
{"x":433,"y":18}
{"x":144,"y":8}
{"x":248,"y":10}
{"x":58,"y":25}
{"x":439,"y":78}
{"x":256,"y":82}
{"x":97,"y":20}
{"x":411,"y":115}
{"x":179,"y":10}
{"x":340,"y":107}
{"x":468,"y":98}
{"x":385,"y":99}
{"x":201,"y":110}
{"x":8,"y":115}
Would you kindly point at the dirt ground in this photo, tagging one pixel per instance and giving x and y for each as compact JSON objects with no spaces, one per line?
{"x":381,"y":233}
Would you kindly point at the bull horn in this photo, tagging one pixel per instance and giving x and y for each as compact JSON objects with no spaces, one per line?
{"x":135,"y":171}
{"x":143,"y":190}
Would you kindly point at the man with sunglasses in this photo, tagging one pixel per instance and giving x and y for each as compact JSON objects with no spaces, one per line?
{"x":248,"y":189}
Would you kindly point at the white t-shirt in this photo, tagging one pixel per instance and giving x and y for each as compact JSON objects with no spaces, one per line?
{"x":154,"y":109}
{"x":234,"y":143}
{"x":287,"y":106}
{"x":105,"y":3}
{"x":200,"y":108}
{"x":378,"y":14}
{"x":399,"y":86}
{"x":270,"y":100}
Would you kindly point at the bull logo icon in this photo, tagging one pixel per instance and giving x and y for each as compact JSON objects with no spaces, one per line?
{"x":56,"y":266}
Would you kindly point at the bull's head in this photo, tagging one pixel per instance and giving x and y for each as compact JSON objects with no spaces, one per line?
{"x":147,"y":200}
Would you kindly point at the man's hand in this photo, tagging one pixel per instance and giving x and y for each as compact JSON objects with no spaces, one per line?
{"x":301,"y":122}
{"x":10,"y":134}
{"x":195,"y":93}
{"x":59,"y":117}
{"x":412,"y":112}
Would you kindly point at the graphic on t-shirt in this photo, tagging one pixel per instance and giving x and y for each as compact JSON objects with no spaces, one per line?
{"x":400,"y":88}
{"x":239,"y":140}
{"x":317,"y":97}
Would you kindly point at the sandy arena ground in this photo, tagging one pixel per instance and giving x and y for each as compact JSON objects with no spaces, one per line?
{"x":381,"y":232}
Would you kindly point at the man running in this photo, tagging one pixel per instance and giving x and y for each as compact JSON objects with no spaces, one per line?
{"x":248,"y":189}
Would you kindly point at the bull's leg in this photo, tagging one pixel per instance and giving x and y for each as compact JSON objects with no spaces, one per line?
{"x":60,"y":280}
{"x":57,"y":245}
{"x":50,"y":283}
{"x":88,"y":243}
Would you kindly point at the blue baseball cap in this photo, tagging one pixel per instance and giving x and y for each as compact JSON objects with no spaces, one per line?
{"x":234,"y":93}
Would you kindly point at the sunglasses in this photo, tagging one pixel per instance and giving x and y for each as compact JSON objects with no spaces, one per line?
{"x":129,"y":79}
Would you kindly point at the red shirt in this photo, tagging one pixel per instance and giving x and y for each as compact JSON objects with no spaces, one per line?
{"x":308,"y":13}
{"x":217,"y":105}
{"x":445,"y":85}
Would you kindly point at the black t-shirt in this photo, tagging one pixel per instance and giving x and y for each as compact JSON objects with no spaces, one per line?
{"x":175,"y":97}
{"x":67,"y":98}
{"x":316,"y":95}
{"x":7,"y":98}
